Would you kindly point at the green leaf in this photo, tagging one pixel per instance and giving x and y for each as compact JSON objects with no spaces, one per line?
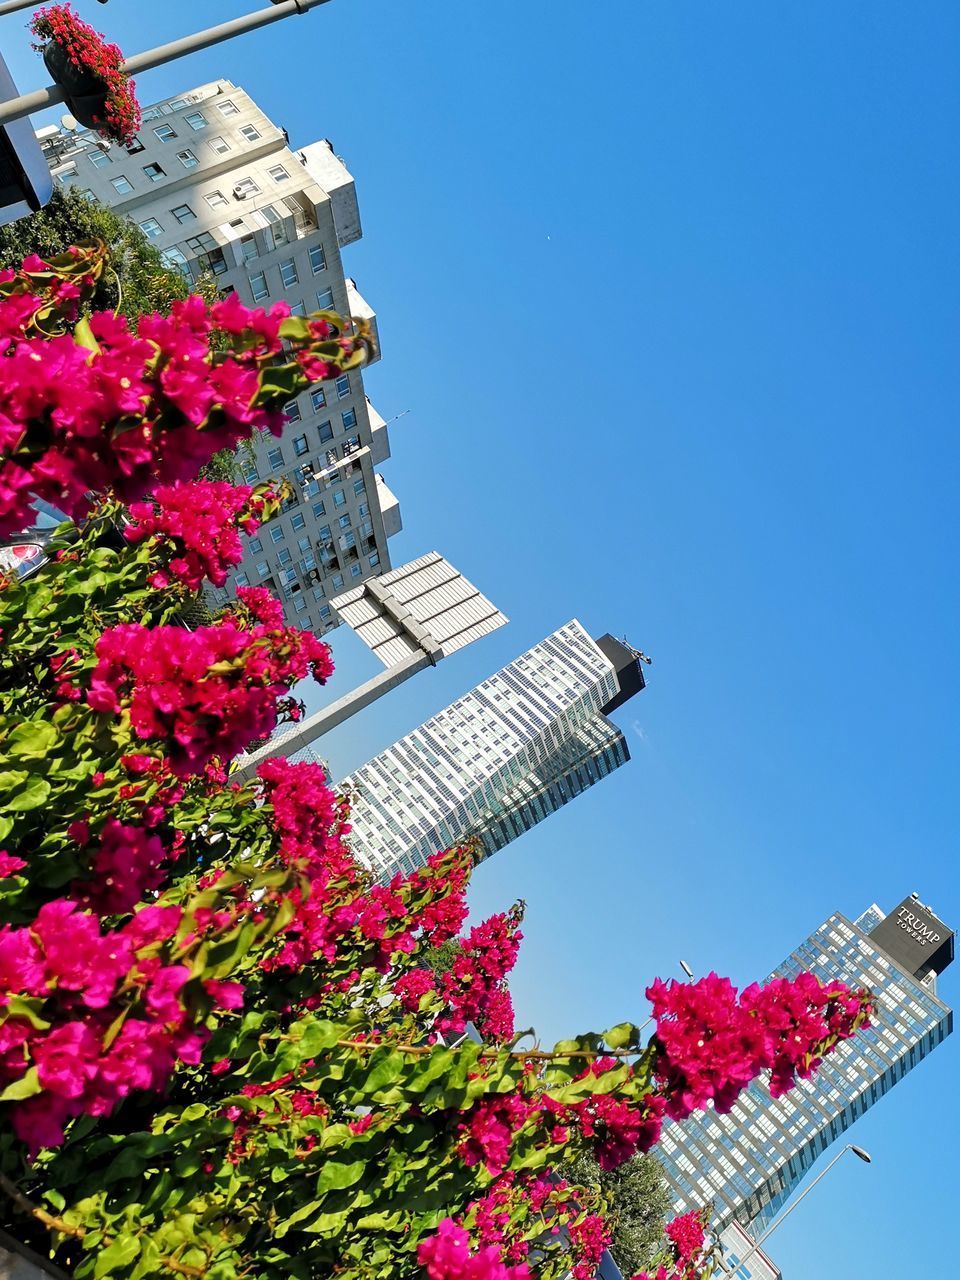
{"x":124,"y":1250}
{"x":32,"y":738}
{"x":623,"y":1036}
{"x":83,"y":335}
{"x":31,"y":795}
{"x":25,"y":1087}
{"x":338,"y":1174}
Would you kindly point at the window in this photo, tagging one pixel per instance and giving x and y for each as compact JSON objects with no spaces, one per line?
{"x":303,"y":545}
{"x":293,"y":413}
{"x":301,"y":604}
{"x":318,"y":259}
{"x":324,"y":533}
{"x":373,"y":560}
{"x":349,"y":418}
{"x":258,"y":286}
{"x":153,"y":172}
{"x":241,"y":580}
{"x":343,"y":385}
{"x":325,"y":432}
{"x":300,"y":445}
{"x":248,"y":247}
{"x":339,"y":499}
{"x":152,"y":113}
{"x":298,"y":309}
{"x":359,"y":487}
{"x":325,"y":612}
{"x":99,"y":159}
{"x":196,"y":120}
{"x":337,"y":580}
{"x":284,"y":556}
{"x":121,"y":185}
{"x":355,"y":571}
{"x":318,"y":398}
{"x":246,"y":187}
{"x":325,"y":300}
{"x":297,"y":520}
{"x":288,"y":272}
{"x":174,"y":260}
{"x":183,"y":213}
{"x":271,"y":221}
{"x":187,"y":159}
{"x":318,"y":593}
{"x":133,"y":146}
{"x":216,"y":199}
{"x":262,"y":568}
{"x":67,"y":172}
{"x":318,"y":510}
{"x":275,"y":458}
{"x":228,"y":108}
{"x":256,"y":545}
{"x":277,"y":534}
{"x":220,"y":145}
{"x":250,"y":133}
{"x":151,"y":228}
{"x":204,"y":242}
{"x":278,"y":173}
{"x":344,"y":520}
{"x":165,"y":132}
{"x":88,"y":194}
{"x":176,"y":103}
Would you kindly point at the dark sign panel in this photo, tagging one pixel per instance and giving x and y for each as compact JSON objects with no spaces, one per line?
{"x":915,"y":939}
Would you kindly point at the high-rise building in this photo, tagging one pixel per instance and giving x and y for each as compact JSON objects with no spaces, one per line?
{"x":216,"y":187}
{"x":747,"y":1163}
{"x":501,"y":758}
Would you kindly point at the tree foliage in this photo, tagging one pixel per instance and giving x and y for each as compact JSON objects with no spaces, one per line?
{"x":637,"y":1204}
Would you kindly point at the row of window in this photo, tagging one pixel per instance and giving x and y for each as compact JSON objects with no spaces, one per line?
{"x":152,"y":228}
{"x":289,"y":276}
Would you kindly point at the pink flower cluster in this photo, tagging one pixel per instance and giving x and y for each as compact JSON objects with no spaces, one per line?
{"x":489,"y":1129}
{"x":712,"y":1044}
{"x":447,"y":1256}
{"x":688,"y":1259}
{"x":589,"y":1236}
{"x":199,"y":525}
{"x":65,"y":959}
{"x":203,"y":694}
{"x":127,"y":410}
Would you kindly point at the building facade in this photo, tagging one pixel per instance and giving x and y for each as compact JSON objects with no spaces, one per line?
{"x":501,"y":758}
{"x":742,"y":1260}
{"x":215,"y":186}
{"x":747,"y":1163}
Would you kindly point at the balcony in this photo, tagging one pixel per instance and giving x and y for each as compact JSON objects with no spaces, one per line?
{"x":330,"y":173}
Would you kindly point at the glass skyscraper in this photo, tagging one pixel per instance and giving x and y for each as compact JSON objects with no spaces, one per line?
{"x":747,"y":1163}
{"x":501,"y":758}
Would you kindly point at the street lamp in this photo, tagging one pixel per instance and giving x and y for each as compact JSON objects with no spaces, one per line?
{"x":857,"y":1151}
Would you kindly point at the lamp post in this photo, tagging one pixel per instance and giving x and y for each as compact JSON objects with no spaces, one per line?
{"x":857,"y":1151}
{"x":17,"y":108}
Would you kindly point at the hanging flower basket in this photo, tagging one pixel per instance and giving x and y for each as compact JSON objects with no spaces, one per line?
{"x":90,"y":72}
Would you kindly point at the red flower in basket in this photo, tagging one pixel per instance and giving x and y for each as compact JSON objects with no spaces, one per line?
{"x":90,"y":71}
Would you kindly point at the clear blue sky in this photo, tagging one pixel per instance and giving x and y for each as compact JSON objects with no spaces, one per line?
{"x":671,"y":290}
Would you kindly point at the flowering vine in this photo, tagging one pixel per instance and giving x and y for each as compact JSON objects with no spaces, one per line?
{"x":224,"y":1048}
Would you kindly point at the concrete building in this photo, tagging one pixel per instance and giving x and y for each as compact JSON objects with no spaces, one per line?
{"x":217,"y":188}
{"x":749,"y":1162}
{"x":501,"y":758}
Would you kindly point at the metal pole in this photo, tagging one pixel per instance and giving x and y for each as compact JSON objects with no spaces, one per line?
{"x":27,"y":103}
{"x":858,"y":1151}
{"x":12,"y":6}
{"x":322,"y":722}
